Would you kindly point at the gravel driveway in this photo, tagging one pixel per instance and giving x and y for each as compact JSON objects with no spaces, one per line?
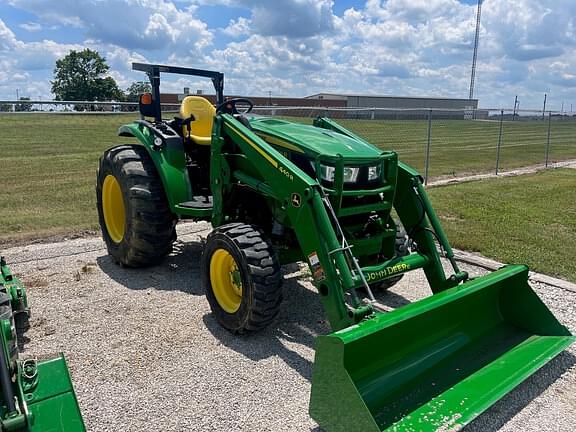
{"x":146,"y":354}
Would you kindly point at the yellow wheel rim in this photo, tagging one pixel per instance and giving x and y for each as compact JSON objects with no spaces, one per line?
{"x":225,"y":280}
{"x":113,"y":208}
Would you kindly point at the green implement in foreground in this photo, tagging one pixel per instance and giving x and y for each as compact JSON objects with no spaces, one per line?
{"x":34,"y":396}
{"x":278,"y":192}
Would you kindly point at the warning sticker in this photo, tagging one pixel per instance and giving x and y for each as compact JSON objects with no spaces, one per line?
{"x":317,"y":270}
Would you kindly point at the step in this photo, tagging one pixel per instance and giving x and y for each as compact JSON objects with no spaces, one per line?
{"x":197,"y":202}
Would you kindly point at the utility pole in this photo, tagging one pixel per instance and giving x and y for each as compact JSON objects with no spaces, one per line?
{"x":270,"y":97}
{"x":544,"y":108}
{"x":17,"y":94}
{"x":515,"y":107}
{"x":475,"y":55}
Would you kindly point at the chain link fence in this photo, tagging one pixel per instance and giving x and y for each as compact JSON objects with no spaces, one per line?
{"x":444,"y":143}
{"x":439,"y":143}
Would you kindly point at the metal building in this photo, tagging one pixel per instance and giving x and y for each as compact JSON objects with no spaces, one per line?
{"x":407,"y":107}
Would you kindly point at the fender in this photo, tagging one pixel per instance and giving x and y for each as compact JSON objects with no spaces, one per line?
{"x":169,"y":161}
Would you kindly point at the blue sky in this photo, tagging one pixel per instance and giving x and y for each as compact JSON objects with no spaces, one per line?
{"x":301,"y":47}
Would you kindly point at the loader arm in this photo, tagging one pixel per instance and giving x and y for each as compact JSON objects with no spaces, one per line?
{"x":423,"y":226}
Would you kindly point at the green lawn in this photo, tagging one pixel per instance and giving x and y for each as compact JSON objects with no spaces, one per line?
{"x":467,"y":147}
{"x":48,"y":165}
{"x":48,"y":161}
{"x":529,"y":219}
{"x":464,"y":147}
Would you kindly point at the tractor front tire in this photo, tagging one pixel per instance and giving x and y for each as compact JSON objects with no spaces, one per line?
{"x":133,"y":211}
{"x":242,"y":277}
{"x":400,"y":249}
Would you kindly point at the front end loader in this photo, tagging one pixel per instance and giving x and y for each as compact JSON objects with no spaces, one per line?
{"x":35,"y":396}
{"x":279,"y":192}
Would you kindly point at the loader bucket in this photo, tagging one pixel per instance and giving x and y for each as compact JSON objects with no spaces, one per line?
{"x":52,"y":403}
{"x":436,"y":364}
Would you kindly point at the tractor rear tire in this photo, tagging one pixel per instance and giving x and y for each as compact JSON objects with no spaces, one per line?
{"x":400,"y":249}
{"x":242,"y":277}
{"x":137,"y":224}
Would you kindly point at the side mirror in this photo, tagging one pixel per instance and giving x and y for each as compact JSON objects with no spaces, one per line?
{"x":147,"y":106}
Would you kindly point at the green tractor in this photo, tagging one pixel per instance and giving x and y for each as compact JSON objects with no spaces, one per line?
{"x":32,"y":392}
{"x":278,"y":192}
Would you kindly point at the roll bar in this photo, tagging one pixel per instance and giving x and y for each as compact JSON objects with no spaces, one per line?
{"x":153,"y":72}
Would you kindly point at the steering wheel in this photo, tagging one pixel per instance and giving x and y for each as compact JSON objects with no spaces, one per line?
{"x":229,"y":106}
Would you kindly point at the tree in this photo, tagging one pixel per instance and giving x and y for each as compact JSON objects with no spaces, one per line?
{"x":81,"y":76}
{"x":133,"y":93}
{"x":136,"y":89}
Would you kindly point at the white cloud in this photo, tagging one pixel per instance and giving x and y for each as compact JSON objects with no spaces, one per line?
{"x":132,"y":24}
{"x":529,"y":29}
{"x":42,"y":55}
{"x":287,"y":18}
{"x":7,"y":37}
{"x":238,"y":28}
{"x":260,"y":54}
{"x":291,"y":18}
{"x":21,"y":63}
{"x":299,"y":47}
{"x":31,"y":27}
{"x":121,"y":59}
{"x":421,"y":10}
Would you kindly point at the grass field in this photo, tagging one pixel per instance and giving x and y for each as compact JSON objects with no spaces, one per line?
{"x":529,"y":219}
{"x":464,"y":147}
{"x":48,"y":165}
{"x":48,"y":161}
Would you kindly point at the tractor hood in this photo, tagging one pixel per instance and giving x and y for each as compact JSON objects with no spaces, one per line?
{"x":311,"y":140}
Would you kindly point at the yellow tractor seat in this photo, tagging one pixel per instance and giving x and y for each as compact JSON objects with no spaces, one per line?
{"x":203,"y":112}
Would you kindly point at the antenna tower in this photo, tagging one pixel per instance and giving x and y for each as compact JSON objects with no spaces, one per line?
{"x":476,"y":38}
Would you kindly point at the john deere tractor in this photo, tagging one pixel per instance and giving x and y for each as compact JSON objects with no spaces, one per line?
{"x":35,"y":396}
{"x":279,"y":192}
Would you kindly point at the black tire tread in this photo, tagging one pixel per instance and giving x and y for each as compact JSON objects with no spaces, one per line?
{"x":264,"y":270}
{"x":151,"y":226}
{"x":401,"y":249}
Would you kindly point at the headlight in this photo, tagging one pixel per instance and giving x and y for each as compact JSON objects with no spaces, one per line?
{"x":327,"y":172}
{"x":374,"y":172}
{"x":350,"y":173}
